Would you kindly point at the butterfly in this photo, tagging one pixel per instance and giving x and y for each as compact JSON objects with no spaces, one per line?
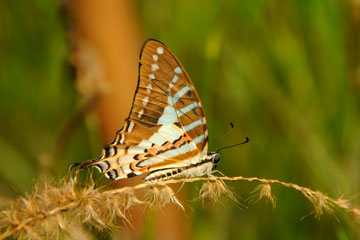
{"x":165,"y":134}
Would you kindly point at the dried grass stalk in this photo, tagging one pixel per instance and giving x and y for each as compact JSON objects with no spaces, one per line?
{"x":51,"y":210}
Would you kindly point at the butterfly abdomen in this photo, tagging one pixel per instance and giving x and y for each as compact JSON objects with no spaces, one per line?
{"x":198,"y":169}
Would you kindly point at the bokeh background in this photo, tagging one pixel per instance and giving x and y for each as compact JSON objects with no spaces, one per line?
{"x":286,"y":73}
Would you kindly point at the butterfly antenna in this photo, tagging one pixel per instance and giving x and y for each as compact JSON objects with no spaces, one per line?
{"x":225,"y":135}
{"x":246,"y":141}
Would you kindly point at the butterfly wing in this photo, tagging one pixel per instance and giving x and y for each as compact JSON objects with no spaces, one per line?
{"x":166,"y":94}
{"x":166,"y":126}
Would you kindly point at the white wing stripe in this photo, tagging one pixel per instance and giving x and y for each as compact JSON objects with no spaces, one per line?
{"x":183,"y":149}
{"x":168,"y":155}
{"x":198,"y":139}
{"x":174,"y":80}
{"x":157,"y":139}
{"x":169,"y":114}
{"x":169,"y":133}
{"x":181,"y":93}
{"x":126,"y":169}
{"x":187,"y":109}
{"x":193,"y":125}
{"x":150,"y":161}
{"x":125,"y":159}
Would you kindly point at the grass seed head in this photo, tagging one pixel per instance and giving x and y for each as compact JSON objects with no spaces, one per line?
{"x":263,"y":191}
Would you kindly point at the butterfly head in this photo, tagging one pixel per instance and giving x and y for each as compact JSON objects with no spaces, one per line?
{"x":214,"y":157}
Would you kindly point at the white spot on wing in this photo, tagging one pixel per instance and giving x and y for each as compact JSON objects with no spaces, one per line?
{"x":131,"y":127}
{"x":122,"y":139}
{"x":151,"y":76}
{"x":155,"y":57}
{"x":145,"y":100}
{"x":140,"y":113}
{"x":154,"y":67}
{"x":177,"y":70}
{"x":148,"y":88}
{"x":160,"y":50}
{"x":174,"y":80}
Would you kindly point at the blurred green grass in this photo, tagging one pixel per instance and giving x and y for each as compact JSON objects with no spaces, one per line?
{"x":286,"y":73}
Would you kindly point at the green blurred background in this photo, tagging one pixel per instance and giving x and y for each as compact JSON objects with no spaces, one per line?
{"x":286,"y":73}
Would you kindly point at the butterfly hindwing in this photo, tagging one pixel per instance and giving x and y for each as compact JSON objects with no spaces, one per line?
{"x":169,"y":146}
{"x":166,"y":126}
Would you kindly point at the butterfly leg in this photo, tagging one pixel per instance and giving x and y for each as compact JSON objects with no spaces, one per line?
{"x":216,"y":171}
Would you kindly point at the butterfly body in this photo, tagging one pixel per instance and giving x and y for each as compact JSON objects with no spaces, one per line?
{"x":166,"y":133}
{"x":202,"y":167}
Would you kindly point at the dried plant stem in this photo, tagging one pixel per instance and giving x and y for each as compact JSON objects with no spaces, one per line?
{"x":318,"y":199}
{"x":103,"y":208}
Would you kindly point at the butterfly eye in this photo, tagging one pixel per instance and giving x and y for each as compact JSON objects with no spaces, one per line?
{"x":216,"y":158}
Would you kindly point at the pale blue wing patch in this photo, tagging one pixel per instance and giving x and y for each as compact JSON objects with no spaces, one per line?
{"x":193,"y":125}
{"x":181,"y":93}
{"x":150,"y":161}
{"x":178,"y":151}
{"x":198,"y":139}
{"x":187,"y":109}
{"x":170,"y":132}
{"x":169,"y":115}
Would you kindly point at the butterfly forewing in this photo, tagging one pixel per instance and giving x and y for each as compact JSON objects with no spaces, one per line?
{"x":166,"y":126}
